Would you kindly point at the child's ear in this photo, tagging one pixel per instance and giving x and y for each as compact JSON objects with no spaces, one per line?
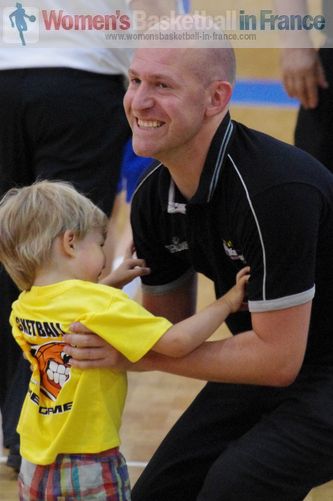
{"x":69,"y":240}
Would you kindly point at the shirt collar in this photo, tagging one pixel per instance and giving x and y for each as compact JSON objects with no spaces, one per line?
{"x":211,"y":172}
{"x":175,"y":202}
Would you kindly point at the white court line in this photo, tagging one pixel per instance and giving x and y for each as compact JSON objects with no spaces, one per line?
{"x":136,"y":464}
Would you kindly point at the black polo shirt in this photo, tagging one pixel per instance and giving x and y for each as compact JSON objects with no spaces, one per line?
{"x":259,"y":202}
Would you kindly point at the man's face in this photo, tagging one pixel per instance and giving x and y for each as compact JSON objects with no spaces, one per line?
{"x":165,"y":103}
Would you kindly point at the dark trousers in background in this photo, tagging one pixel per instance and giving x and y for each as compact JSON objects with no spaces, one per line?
{"x":15,"y":372}
{"x":314,"y":128}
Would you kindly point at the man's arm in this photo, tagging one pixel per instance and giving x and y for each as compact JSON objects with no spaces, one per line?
{"x":185,"y":336}
{"x":302,"y":71}
{"x":271,"y":354}
{"x":176,"y":304}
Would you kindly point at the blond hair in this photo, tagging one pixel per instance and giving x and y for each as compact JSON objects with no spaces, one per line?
{"x":33,"y":216}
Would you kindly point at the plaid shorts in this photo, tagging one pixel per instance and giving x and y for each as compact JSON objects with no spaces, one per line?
{"x":74,"y":477}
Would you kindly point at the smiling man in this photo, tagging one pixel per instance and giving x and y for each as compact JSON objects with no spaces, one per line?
{"x":223,"y":195}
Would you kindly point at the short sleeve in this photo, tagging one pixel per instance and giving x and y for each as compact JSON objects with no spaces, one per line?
{"x":127,"y":326}
{"x":279,"y":238}
{"x":161,"y":240}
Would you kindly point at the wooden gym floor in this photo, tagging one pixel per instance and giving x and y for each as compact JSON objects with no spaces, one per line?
{"x":156,"y":400}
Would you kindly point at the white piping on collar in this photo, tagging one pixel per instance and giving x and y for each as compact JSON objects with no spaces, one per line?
{"x":258,"y":228}
{"x":144,"y":179}
{"x":219,"y":161}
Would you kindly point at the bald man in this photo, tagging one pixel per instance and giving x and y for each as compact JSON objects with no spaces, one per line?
{"x":222,"y":196}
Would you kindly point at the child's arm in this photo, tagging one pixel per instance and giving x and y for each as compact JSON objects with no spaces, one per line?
{"x":185,"y":336}
{"x":127,"y":271}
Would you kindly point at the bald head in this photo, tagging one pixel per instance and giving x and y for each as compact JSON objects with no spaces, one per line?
{"x":206,"y":65}
{"x":211,"y":64}
{"x":206,"y":62}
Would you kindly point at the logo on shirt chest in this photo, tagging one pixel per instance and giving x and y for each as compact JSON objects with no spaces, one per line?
{"x":231,"y":252}
{"x":177,"y":245}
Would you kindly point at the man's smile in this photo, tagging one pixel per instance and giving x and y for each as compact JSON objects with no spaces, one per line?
{"x":149,"y":124}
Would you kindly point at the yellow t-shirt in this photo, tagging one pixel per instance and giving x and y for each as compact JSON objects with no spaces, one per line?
{"x":68,"y":410}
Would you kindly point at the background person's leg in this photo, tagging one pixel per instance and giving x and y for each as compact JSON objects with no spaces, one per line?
{"x":12,"y":408}
{"x":15,"y":170}
{"x":77,"y":128}
{"x":314,"y":127}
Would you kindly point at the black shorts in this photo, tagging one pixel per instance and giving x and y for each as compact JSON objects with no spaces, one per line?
{"x":61,"y":123}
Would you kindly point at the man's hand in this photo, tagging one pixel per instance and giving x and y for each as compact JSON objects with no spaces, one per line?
{"x":303,"y":74}
{"x":90,"y":351}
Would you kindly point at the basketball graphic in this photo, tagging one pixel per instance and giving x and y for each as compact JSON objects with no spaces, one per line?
{"x":53,"y":367}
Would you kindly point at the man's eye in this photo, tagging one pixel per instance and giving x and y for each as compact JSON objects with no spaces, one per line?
{"x":162,"y":85}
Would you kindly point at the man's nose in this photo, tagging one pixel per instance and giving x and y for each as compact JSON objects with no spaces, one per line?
{"x":143,"y":98}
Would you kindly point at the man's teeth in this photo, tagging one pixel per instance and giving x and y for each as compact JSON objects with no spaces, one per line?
{"x":153,"y":124}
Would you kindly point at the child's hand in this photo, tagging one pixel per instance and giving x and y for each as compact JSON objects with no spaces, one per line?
{"x":127,"y":271}
{"x":235,"y":296}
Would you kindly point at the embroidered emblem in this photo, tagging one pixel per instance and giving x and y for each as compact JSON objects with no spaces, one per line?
{"x":177,"y":246}
{"x":231,"y":252}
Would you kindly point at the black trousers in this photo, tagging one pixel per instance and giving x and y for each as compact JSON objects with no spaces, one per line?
{"x":247,"y":443}
{"x":55,"y":123}
{"x":314,"y":128}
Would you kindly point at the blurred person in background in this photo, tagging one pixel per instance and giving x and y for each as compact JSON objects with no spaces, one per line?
{"x":307,"y":75}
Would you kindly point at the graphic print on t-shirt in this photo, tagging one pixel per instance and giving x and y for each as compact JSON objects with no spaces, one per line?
{"x":54,"y":367}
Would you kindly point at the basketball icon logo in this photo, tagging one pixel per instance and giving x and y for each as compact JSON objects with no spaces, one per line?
{"x":20,"y":25}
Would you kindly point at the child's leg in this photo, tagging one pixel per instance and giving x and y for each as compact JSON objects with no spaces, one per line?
{"x":76,"y":476}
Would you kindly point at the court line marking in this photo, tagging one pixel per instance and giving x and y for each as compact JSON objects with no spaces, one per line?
{"x":261,"y":92}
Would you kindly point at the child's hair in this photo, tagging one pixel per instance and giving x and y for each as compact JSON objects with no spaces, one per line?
{"x":33,"y":216}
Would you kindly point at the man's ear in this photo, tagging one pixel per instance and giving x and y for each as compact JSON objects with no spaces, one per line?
{"x":220,"y":92}
{"x":68,"y":242}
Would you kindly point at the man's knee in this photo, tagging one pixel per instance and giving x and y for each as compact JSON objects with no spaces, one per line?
{"x":238,"y":477}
